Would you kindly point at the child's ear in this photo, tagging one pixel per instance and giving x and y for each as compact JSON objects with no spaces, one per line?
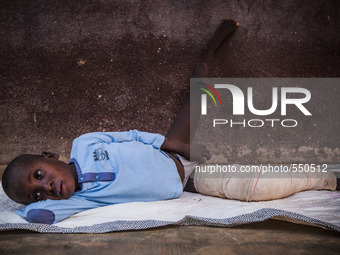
{"x":50,"y":155}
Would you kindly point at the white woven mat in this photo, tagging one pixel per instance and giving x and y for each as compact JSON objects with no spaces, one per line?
{"x":319,"y":208}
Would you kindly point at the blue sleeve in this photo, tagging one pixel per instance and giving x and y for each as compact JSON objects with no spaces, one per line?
{"x":156,"y":140}
{"x":53,"y":211}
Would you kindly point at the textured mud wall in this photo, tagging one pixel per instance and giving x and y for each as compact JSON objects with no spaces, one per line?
{"x":71,"y":67}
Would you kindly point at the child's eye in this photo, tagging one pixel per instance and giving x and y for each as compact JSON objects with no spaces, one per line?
{"x":37,"y":196}
{"x":37,"y":175}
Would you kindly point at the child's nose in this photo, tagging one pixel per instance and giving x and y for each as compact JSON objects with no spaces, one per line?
{"x":49,"y":187}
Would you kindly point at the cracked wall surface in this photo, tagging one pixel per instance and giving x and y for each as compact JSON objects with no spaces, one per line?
{"x":71,"y":67}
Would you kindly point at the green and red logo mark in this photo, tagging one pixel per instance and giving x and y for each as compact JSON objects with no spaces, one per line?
{"x":205,"y":87}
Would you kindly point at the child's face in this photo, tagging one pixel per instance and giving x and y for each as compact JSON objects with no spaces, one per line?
{"x":44,"y":179}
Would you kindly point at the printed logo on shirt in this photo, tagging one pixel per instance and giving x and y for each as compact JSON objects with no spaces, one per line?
{"x":99,"y":154}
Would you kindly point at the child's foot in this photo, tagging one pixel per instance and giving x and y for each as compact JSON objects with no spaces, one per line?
{"x":223,"y":31}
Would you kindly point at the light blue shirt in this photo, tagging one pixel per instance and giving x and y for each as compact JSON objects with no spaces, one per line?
{"x":112,"y":168}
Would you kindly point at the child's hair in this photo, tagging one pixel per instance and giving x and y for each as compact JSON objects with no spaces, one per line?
{"x":17,"y":164}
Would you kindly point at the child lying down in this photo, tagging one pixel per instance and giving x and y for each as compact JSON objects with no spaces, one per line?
{"x":120,"y":167}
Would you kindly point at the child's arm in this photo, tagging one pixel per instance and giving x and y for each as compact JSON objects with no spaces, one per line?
{"x":198,"y":152}
{"x":53,"y":211}
{"x":156,"y":140}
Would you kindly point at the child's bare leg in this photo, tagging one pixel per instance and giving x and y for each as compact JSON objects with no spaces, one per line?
{"x":180,"y":128}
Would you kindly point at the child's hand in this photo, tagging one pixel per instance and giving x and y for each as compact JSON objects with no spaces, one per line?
{"x":199,"y":153}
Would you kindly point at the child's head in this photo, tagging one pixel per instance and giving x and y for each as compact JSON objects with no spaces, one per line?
{"x":31,"y":178}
